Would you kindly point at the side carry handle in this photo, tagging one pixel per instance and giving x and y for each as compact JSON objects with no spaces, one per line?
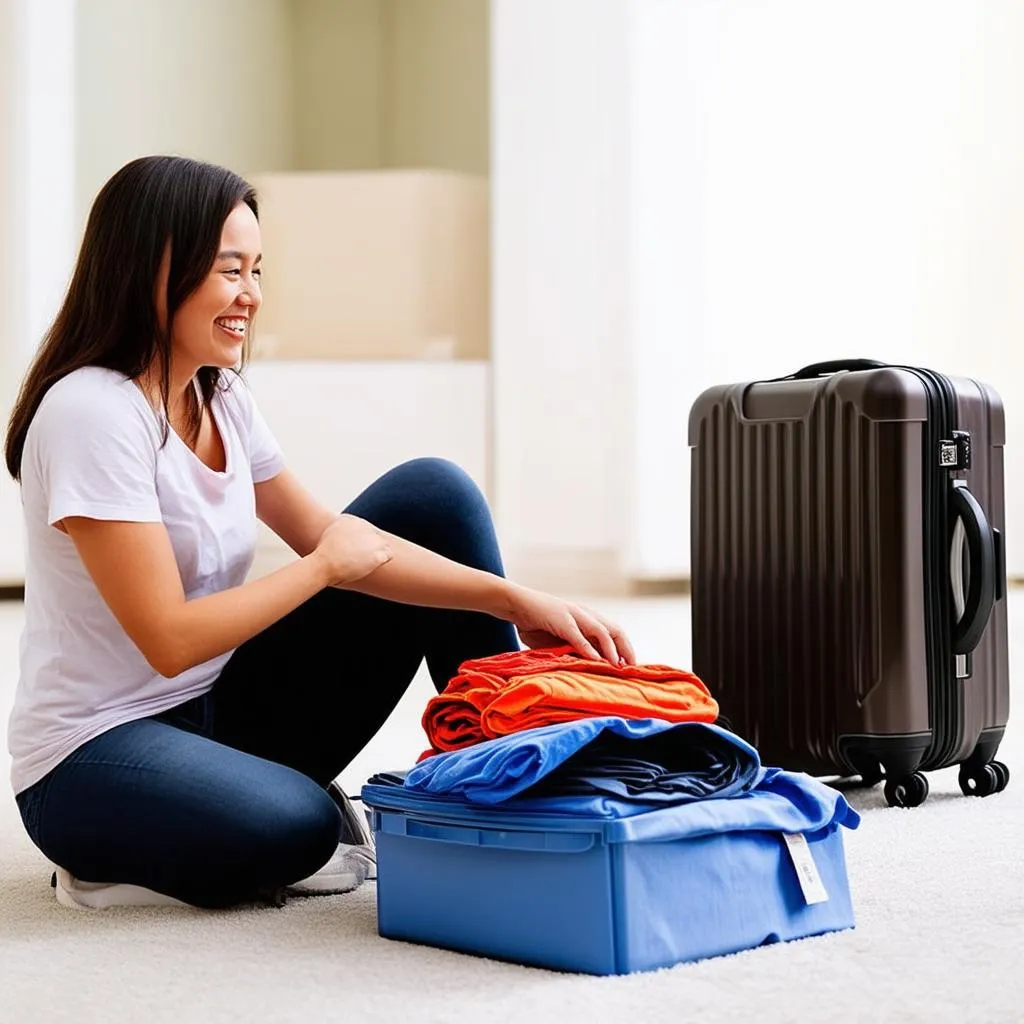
{"x":973,"y":608}
{"x":457,"y":834}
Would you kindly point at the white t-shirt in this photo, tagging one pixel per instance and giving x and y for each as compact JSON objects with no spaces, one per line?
{"x":94,"y":449}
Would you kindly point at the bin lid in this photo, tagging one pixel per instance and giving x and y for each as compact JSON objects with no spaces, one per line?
{"x":781,"y":802}
{"x":454,"y":810}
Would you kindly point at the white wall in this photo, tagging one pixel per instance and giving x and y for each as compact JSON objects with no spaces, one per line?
{"x":562,"y":395}
{"x":11,"y":231}
{"x":36,"y":205}
{"x":804,"y":181}
{"x":11,"y":557}
{"x":194,"y":78}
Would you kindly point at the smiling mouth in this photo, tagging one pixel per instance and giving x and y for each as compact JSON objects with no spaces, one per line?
{"x":237,"y":327}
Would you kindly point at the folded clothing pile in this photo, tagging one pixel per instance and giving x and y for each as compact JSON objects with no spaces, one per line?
{"x":507,"y":693}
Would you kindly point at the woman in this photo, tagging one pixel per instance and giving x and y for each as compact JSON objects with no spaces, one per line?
{"x":176,"y":730}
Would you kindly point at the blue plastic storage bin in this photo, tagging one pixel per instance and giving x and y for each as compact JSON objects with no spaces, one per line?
{"x":592,"y":895}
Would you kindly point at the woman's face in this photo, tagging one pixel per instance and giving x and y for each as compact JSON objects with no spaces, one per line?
{"x":212,"y":324}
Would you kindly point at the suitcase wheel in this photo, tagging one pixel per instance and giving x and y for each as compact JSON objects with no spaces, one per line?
{"x":910,"y":791}
{"x":984,"y":780}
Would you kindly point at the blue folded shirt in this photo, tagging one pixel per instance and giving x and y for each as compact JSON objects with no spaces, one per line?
{"x":650,"y":762}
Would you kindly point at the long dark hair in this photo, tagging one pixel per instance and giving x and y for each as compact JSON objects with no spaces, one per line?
{"x":108,"y":317}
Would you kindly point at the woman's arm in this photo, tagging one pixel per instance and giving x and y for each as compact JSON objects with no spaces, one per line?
{"x":135,"y":571}
{"x":416,"y":575}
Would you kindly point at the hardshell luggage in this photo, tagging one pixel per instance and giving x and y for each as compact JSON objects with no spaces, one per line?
{"x":848,"y":572}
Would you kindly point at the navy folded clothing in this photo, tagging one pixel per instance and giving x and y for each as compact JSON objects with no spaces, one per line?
{"x":664,"y":768}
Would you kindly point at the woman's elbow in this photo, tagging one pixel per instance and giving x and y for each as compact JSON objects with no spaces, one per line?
{"x":167,"y":659}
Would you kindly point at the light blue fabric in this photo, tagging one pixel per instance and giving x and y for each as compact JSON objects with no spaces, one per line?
{"x":659,"y":762}
{"x":781,"y":802}
{"x":518,"y":774}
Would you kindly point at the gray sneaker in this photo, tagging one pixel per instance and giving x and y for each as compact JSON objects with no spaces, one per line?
{"x":355,"y":826}
{"x":354,"y":861}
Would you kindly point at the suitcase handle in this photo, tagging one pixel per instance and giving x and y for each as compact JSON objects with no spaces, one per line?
{"x":835,"y":366}
{"x":981,"y":549}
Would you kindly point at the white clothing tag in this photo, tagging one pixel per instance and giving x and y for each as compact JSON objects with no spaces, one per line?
{"x":806,"y":870}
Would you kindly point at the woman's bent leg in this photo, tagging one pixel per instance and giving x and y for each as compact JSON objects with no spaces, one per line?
{"x":153,"y":805}
{"x":436,"y":504}
{"x":313,"y":689}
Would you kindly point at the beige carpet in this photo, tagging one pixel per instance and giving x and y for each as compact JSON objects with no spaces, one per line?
{"x":938,"y":891}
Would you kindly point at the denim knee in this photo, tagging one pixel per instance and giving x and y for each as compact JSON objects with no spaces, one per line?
{"x":434,"y":503}
{"x":442,"y":481}
{"x":454,"y":518}
{"x":300,"y":829}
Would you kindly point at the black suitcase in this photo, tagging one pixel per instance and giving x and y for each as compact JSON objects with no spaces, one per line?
{"x":848,"y":575}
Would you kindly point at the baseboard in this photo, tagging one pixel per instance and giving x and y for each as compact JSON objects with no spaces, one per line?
{"x":667,"y":586}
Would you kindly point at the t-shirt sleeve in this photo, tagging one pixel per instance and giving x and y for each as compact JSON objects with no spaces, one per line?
{"x":95,"y":456}
{"x":266,"y":459}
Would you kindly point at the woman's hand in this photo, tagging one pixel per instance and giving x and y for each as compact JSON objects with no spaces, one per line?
{"x":350,"y":549}
{"x":546,"y":621}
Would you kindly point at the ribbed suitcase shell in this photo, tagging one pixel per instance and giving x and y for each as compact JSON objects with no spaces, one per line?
{"x":822,"y":605}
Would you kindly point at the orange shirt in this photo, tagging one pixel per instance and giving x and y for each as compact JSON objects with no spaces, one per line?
{"x":506,"y":693}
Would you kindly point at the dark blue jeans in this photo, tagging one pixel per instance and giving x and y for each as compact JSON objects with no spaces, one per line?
{"x":224,"y":796}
